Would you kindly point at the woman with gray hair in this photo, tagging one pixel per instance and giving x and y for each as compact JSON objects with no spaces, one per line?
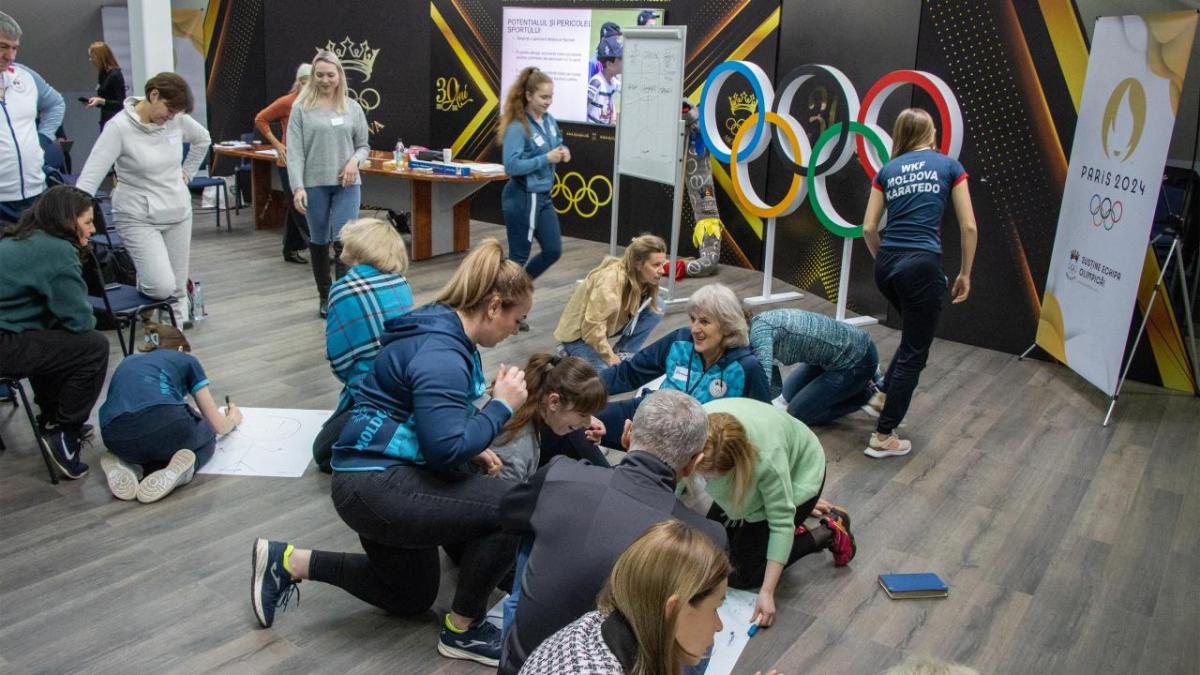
{"x":708,"y":360}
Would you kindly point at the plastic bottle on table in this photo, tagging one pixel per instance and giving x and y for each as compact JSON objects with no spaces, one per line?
{"x":398,"y":155}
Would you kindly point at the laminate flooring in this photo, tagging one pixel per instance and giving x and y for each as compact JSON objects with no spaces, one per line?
{"x":1069,"y":548}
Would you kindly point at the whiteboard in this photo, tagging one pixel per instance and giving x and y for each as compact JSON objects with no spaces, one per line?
{"x":651,"y":92}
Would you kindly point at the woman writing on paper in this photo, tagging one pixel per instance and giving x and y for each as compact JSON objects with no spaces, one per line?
{"x":326,"y":141}
{"x":914,"y":187}
{"x":532,"y":146}
{"x":616,"y":307}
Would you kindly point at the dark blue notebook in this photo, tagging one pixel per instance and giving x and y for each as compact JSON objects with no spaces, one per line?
{"x":922,"y":585}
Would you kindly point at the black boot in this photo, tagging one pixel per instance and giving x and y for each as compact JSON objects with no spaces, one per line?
{"x":294,"y":257}
{"x":319,"y":253}
{"x":339,"y":267}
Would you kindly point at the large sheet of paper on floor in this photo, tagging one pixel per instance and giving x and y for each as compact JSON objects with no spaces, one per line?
{"x":735,"y":613}
{"x":270,"y":442}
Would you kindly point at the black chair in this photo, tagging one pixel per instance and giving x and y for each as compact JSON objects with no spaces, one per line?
{"x":241,"y":177}
{"x":123,"y":306}
{"x":19,"y":393}
{"x":199,"y":182}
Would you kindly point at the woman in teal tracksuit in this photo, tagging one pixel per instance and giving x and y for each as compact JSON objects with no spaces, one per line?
{"x":532,"y":146}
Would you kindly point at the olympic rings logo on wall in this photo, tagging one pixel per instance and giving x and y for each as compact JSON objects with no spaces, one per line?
{"x":832,"y":149}
{"x":1105,"y":212}
{"x":583,"y":197}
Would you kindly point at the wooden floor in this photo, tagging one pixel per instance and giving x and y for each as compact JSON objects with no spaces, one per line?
{"x":1068,"y":548}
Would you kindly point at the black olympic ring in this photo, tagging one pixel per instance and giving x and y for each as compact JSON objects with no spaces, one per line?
{"x":787,"y":91}
{"x":1105,"y":212}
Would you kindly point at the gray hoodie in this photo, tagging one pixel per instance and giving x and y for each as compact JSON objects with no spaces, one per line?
{"x":151,"y":182}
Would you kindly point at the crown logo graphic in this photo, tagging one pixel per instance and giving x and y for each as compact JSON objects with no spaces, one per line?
{"x":742,"y":101}
{"x":357,"y":57}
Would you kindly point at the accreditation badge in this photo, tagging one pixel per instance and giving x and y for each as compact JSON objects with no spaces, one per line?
{"x":717,"y":388}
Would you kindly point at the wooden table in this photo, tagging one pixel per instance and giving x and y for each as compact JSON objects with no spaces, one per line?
{"x":440,"y":205}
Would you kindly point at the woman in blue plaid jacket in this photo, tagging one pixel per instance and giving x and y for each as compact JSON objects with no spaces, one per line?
{"x":373,"y":291}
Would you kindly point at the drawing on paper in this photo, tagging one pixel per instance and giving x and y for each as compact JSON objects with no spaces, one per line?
{"x":270,"y":442}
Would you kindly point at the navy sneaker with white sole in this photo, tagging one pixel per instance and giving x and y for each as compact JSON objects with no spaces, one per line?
{"x":65,"y":449}
{"x":479,"y":643}
{"x":271,"y":586}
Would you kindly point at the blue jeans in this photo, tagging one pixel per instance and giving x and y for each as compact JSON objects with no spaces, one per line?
{"x":329,"y":208}
{"x":914,"y":283}
{"x":152,"y":435}
{"x":816,"y":396}
{"x":510,"y":603}
{"x":529,"y":216}
{"x":631,"y":339}
{"x":11,"y":211}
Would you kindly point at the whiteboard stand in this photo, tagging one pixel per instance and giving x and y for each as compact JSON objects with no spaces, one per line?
{"x":767,"y":297}
{"x":616,"y":195}
{"x":844,"y":290}
{"x":677,"y":218}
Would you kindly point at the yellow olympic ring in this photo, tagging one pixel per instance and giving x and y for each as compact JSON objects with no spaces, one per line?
{"x":739,"y":170}
{"x":586,"y":190}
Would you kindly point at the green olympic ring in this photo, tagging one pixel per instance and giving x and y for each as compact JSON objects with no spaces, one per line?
{"x":819,"y":198}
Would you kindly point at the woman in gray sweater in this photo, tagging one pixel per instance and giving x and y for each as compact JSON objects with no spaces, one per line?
{"x":152,"y":208}
{"x":326,"y":141}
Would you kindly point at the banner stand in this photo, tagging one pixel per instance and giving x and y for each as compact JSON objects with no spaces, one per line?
{"x":844,"y":290}
{"x":1174,"y":255}
{"x":768,"y":278}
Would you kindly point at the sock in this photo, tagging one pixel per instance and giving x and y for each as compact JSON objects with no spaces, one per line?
{"x":287,"y":559}
{"x":450,"y":625}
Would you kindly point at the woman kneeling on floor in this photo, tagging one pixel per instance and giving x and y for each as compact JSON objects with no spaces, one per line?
{"x":147,"y":424}
{"x":765,"y":471}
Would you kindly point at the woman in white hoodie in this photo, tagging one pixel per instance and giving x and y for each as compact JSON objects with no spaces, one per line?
{"x":152,"y":207}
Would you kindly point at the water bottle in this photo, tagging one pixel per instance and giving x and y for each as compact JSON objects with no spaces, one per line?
{"x":198,"y":313}
{"x":398,"y":155}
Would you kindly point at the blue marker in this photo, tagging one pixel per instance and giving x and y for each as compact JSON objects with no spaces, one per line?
{"x":753,"y":630}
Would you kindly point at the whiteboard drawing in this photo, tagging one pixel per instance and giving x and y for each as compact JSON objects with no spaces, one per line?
{"x":651,"y":89}
{"x":273,"y":442}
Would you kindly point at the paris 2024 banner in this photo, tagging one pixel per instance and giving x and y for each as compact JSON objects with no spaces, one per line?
{"x":1130,"y":97}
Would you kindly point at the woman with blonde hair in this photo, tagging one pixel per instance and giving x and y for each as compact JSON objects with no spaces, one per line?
{"x":765,"y":471}
{"x":532,"y":146}
{"x":326,"y":142}
{"x":618,"y":299}
{"x":373,"y":292}
{"x":110,"y":83}
{"x":914,"y":187}
{"x":403,"y":478}
{"x":656,"y":615}
{"x":295,"y":229}
{"x":708,"y":359}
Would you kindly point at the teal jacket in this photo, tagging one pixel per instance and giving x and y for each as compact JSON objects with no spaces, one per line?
{"x":41,"y":286}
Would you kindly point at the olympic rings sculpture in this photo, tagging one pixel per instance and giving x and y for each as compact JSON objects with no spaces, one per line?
{"x":1105,"y":212}
{"x":585,"y":190}
{"x":832,"y":150}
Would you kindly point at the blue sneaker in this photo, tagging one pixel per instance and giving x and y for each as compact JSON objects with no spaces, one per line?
{"x":65,"y":449}
{"x":480,"y":643}
{"x":271,"y":586}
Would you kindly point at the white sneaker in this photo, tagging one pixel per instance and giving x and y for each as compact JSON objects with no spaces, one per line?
{"x":160,"y":483}
{"x":122,"y":476}
{"x":891,"y":446}
{"x":874,"y":407}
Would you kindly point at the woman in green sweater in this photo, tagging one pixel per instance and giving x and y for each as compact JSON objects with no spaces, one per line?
{"x":47,"y":331}
{"x":764,"y":470}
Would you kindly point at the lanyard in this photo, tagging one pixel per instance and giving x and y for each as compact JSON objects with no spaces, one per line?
{"x":692,"y":387}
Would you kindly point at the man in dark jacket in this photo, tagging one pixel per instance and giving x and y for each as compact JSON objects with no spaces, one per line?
{"x":582,"y":517}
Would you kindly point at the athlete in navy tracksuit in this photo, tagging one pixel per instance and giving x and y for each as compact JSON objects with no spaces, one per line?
{"x":736,"y":373}
{"x":532,"y":146}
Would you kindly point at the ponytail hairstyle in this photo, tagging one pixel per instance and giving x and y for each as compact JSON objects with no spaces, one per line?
{"x":573,"y":379}
{"x":483,"y":275}
{"x":729,"y":449}
{"x":638,"y":251}
{"x":528,"y":81}
{"x":913,"y":130}
{"x":669,"y":559}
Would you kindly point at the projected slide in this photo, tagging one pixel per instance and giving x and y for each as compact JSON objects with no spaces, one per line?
{"x":580,"y":49}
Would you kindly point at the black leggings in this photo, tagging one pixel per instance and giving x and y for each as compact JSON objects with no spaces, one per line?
{"x":402,"y":515}
{"x":913,"y":282}
{"x":748,"y":544}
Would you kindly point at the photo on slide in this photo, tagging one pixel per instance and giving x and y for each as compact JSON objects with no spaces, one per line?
{"x":568,"y":45}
